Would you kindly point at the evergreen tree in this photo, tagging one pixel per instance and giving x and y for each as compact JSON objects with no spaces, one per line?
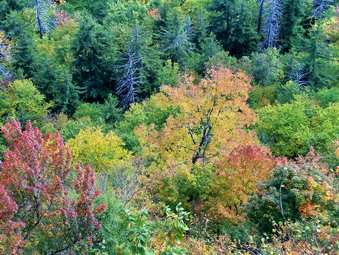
{"x":201,"y":27}
{"x":7,"y":6}
{"x":16,"y":25}
{"x":176,"y":39}
{"x":207,"y":48}
{"x":24,"y":56}
{"x":98,"y":9}
{"x":244,"y":39}
{"x":232,"y":22}
{"x":94,"y":60}
{"x":316,"y":56}
{"x":55,"y":82}
{"x":292,"y":22}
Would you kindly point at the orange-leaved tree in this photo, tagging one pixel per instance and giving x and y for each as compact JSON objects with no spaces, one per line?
{"x":213,"y":120}
{"x":45,"y":206}
{"x":236,"y":177}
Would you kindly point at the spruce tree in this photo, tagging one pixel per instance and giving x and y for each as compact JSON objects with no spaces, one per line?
{"x":317,"y":58}
{"x":24,"y":56}
{"x":232,"y":21}
{"x":95,"y":56}
{"x":8,"y":6}
{"x":292,"y":22}
{"x":55,"y":82}
{"x":176,"y":39}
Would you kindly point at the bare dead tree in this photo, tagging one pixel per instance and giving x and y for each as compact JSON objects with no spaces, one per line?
{"x":131,"y":78}
{"x":320,"y":6}
{"x":298,"y":75}
{"x":5,"y":58}
{"x":273,"y":12}
{"x":44,"y":16}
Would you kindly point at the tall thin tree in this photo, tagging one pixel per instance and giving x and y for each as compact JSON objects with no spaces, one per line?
{"x":43,"y":16}
{"x":131,"y":78}
{"x":273,"y":13}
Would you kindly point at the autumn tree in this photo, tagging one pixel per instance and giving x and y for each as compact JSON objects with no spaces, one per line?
{"x":102,"y":151}
{"x":213,"y":121}
{"x":145,"y":113}
{"x":212,"y":114}
{"x":36,"y":180}
{"x":236,"y":177}
{"x":10,"y":237}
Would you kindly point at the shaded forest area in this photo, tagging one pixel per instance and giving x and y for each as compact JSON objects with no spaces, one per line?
{"x":169,"y":127}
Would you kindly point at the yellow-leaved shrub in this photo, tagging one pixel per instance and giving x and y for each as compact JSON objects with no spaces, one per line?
{"x":101,"y":151}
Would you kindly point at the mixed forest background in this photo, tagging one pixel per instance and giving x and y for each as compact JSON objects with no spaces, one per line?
{"x":169,"y":127}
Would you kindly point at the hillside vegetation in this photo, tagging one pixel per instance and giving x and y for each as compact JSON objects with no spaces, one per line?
{"x":169,"y":127}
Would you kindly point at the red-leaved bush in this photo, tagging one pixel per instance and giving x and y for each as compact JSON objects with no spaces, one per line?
{"x":45,"y":206}
{"x":236,"y":176}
